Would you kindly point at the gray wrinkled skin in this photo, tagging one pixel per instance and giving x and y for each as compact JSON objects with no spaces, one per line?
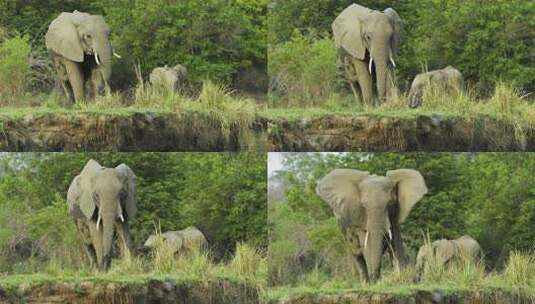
{"x":102,"y":203}
{"x":445,"y":251}
{"x":370,"y":210}
{"x":169,"y":78}
{"x":80,"y":46}
{"x":181,"y":242}
{"x":448,"y":80}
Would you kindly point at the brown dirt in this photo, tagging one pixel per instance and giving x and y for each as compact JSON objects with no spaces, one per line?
{"x":162,"y":292}
{"x":421,"y":297}
{"x":133,"y":132}
{"x":370,"y":133}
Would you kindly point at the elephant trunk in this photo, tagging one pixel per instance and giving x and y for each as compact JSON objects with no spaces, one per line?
{"x":104,"y":52}
{"x":373,"y":253}
{"x":382,"y":58}
{"x":109,"y":215}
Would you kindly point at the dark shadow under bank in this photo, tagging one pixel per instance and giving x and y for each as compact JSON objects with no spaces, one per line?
{"x":374,"y":133}
{"x":420,"y":297}
{"x":154,"y":291}
{"x":129,"y":131}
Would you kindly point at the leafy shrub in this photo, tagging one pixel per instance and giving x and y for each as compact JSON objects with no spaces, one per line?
{"x":14,"y":66}
{"x":303,"y":70}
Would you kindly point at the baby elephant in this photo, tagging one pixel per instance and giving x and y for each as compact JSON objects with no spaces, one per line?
{"x":448,"y":80}
{"x":171,"y":79}
{"x":445,"y":251}
{"x":181,"y":242}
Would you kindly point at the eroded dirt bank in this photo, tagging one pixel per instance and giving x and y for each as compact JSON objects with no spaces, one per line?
{"x":421,"y":297}
{"x":418,"y":133}
{"x":161,"y":292}
{"x":135,"y":131}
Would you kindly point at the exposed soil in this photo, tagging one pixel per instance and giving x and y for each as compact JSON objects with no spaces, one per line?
{"x":133,"y":132}
{"x":148,"y":131}
{"x":420,"y":297}
{"x":372,"y":133}
{"x":162,"y":292}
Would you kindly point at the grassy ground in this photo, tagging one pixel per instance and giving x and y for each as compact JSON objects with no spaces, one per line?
{"x":247,"y":266}
{"x":222,"y":106}
{"x":517,"y":278}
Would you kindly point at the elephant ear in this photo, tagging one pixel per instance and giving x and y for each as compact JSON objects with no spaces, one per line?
{"x":395,"y":20}
{"x":62,"y":38}
{"x":86,"y":181}
{"x":73,"y":194}
{"x":347,"y":30}
{"x":129,"y":180}
{"x":410,"y":189}
{"x":340,"y":190}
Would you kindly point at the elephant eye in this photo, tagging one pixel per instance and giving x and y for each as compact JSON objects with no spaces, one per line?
{"x":96,"y":198}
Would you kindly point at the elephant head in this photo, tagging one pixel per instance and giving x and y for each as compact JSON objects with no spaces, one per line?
{"x":371,"y":208}
{"x":81,"y":37}
{"x":371,"y":36}
{"x":104,"y":197}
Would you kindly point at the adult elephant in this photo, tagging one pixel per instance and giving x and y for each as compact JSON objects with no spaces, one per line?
{"x":370,"y":210}
{"x":182,"y":241}
{"x":80,"y":46}
{"x":448,"y":80}
{"x":367,"y":41}
{"x":168,"y":78}
{"x":102,"y":203}
{"x":445,"y":251}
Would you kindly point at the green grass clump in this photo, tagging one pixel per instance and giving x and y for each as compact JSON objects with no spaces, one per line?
{"x":248,"y":262}
{"x":460,"y":276}
{"x":520,"y":270}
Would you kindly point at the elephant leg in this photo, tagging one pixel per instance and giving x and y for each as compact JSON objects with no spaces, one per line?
{"x":365,"y":81}
{"x":397,"y":244}
{"x":361,"y":267}
{"x":68,"y":91}
{"x":125,"y":238}
{"x":90,"y":251}
{"x":83,"y":230}
{"x":76,"y":79}
{"x":96,"y":240}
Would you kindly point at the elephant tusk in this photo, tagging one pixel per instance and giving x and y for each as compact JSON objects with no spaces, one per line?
{"x":98,"y":221}
{"x":96,"y":58}
{"x":393,"y":62}
{"x":390,"y":234}
{"x":117,"y":55}
{"x":121,"y":217}
{"x":370,"y":66}
{"x":366,"y":240}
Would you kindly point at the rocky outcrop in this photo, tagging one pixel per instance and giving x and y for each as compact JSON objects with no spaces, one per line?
{"x":397,"y":134}
{"x":154,"y":291}
{"x":419,"y":297}
{"x":130,"y":131}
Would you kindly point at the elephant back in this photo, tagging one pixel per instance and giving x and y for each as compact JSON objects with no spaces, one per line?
{"x":193,"y":238}
{"x":469,"y":247}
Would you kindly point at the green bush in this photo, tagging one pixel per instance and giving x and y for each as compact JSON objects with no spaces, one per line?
{"x":303,"y":69}
{"x":14,"y":66}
